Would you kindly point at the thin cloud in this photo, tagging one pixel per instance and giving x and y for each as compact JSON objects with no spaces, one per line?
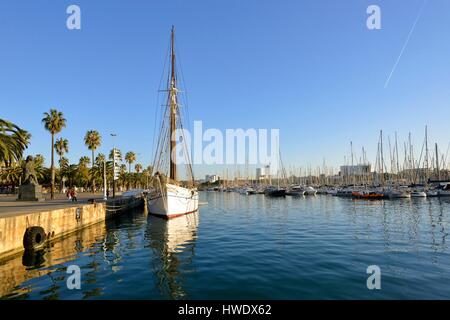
{"x":405,"y":44}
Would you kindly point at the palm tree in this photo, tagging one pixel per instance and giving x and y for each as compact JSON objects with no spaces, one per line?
{"x":100,"y":159}
{"x":12,"y":174}
{"x":13,"y":142}
{"x":39,"y":166}
{"x":84,"y":161}
{"x":54,"y":122}
{"x":123,"y":174}
{"x":138,"y":167}
{"x":138,"y":176}
{"x":130,"y":157}
{"x":63,"y":164}
{"x":83,"y":171}
{"x":93,"y":140}
{"x":71,"y":173}
{"x":61,"y":147}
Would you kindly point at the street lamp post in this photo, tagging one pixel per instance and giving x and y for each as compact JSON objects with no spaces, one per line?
{"x":114,"y":166}
{"x":105,"y":184}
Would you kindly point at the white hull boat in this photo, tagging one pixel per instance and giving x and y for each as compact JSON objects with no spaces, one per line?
{"x":397,"y":194}
{"x":310,"y":191}
{"x":418,"y":194}
{"x":332,"y":192}
{"x":295,"y":191}
{"x":172,"y":201}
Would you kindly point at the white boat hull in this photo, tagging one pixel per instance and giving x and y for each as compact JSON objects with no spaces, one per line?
{"x":418,"y":194}
{"x":398,"y":195}
{"x":172,"y":201}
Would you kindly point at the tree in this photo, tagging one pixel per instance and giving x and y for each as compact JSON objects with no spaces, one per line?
{"x":71,"y":173}
{"x":39,"y":166}
{"x":84,"y":161}
{"x":100,"y":159}
{"x":61,"y":147}
{"x":54,"y":122}
{"x":97,"y":171}
{"x":123,"y":174}
{"x":92,"y":140}
{"x":12,"y":174}
{"x":63,"y":166}
{"x":130,"y":157}
{"x":63,"y":163}
{"x":138,"y":176}
{"x":138,"y":167}
{"x":82,"y":176}
{"x":13,"y":142}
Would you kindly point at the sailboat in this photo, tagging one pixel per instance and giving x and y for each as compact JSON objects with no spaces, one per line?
{"x":277,"y":191}
{"x":170,"y":197}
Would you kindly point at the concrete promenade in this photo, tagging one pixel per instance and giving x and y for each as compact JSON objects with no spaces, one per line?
{"x":9,"y":206}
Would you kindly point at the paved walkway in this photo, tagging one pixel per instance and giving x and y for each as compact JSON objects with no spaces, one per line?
{"x":9,"y":206}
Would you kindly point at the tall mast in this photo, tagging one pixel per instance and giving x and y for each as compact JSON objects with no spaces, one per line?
{"x":396,"y":156}
{"x":382,"y":157}
{"x":353,"y":168}
{"x":437,"y":163}
{"x":426,"y":153}
{"x":173,"y":108}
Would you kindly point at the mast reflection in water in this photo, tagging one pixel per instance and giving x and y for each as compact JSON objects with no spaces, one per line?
{"x":173,"y":245}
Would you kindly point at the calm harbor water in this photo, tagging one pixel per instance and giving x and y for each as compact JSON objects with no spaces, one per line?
{"x":240,"y":247}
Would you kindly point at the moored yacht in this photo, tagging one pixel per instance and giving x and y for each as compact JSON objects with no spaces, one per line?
{"x":392,"y":193}
{"x":444,"y":191}
{"x":296,"y":191}
{"x":310,"y":191}
{"x":417,"y":193}
{"x":368,"y":195}
{"x":275,"y":192}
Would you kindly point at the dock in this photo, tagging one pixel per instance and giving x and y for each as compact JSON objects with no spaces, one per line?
{"x":54,"y":218}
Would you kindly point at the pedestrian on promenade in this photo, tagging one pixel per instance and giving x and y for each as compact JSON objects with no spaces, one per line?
{"x":73,"y":194}
{"x":69,"y":194}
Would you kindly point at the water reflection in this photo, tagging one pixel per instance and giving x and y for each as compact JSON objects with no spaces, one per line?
{"x":249,"y":245}
{"x":43,"y":263}
{"x":173,"y":245}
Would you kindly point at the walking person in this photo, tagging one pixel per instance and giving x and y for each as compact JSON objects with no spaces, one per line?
{"x":73,"y":193}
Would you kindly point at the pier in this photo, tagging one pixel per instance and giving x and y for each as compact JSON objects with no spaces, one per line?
{"x":54,"y":219}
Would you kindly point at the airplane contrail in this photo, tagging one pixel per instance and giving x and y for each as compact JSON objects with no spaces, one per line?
{"x":405,"y":44}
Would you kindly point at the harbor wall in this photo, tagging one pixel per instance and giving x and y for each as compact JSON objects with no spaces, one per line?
{"x":59,"y":222}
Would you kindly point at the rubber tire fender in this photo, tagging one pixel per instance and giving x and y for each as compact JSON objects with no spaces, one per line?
{"x":34,"y":237}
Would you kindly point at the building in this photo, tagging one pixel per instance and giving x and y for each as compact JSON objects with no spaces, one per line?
{"x":356,"y":170}
{"x":263,"y":173}
{"x":212,"y":178}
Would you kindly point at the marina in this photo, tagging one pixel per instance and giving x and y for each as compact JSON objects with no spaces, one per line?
{"x":250,"y":247}
{"x":241,"y":151}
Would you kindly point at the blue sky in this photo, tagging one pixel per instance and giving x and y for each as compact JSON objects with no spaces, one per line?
{"x":310,"y":68}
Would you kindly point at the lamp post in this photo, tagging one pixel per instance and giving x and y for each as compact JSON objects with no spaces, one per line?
{"x":113,"y":135}
{"x":105,"y":183}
